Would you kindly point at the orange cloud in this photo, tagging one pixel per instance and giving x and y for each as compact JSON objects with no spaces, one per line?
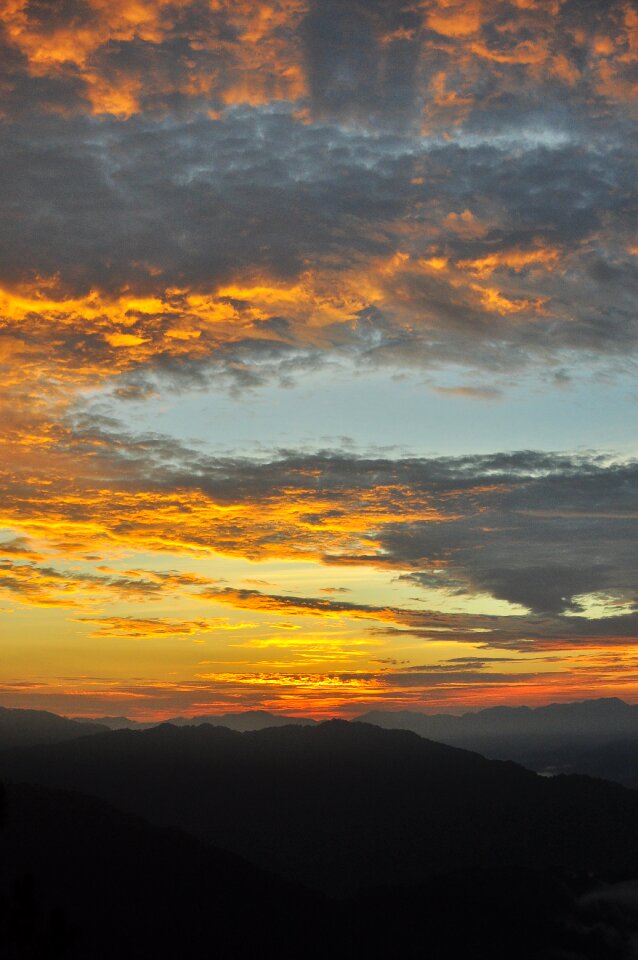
{"x":328,"y":693}
{"x":143,"y":628}
{"x":420,"y":266}
{"x":465,"y":225}
{"x":187,"y":521}
{"x":230,"y":52}
{"x":312,"y":607}
{"x":513,"y":259}
{"x":241,"y":53}
{"x":455,"y":20}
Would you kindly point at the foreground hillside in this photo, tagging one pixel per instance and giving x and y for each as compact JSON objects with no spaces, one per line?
{"x":80,"y":879}
{"x":343,"y":806}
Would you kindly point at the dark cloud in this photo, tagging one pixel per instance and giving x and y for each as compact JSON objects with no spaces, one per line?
{"x":26,"y":577}
{"x":362,"y":60}
{"x":509,"y":242}
{"x":437,"y":677}
{"x":552,"y":533}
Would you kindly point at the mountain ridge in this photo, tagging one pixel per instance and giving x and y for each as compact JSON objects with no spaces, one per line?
{"x":19,"y":727}
{"x":340,"y":806}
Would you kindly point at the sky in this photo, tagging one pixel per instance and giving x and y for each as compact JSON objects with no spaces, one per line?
{"x":318,"y":341}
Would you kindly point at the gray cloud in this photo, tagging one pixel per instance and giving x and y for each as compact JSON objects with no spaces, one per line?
{"x":156,"y":206}
{"x":535,"y":529}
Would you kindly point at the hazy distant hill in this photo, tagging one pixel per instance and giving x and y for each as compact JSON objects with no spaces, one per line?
{"x":26,"y":727}
{"x":343,"y":805}
{"x":604,"y":717}
{"x":118,"y":723}
{"x":245,"y":720}
{"x":540,"y":737}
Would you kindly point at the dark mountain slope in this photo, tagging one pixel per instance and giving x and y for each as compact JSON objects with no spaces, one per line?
{"x":80,"y":879}
{"x":22,"y":728}
{"x":342,"y":806}
{"x":615,"y":760}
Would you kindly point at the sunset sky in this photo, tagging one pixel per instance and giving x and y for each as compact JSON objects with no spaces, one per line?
{"x":318,"y":330}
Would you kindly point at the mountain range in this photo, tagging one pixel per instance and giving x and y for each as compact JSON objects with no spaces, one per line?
{"x":594,"y":737}
{"x":344,"y":806}
{"x":241,"y":720}
{"x":20,"y":728}
{"x":80,"y":880}
{"x":335,"y":839}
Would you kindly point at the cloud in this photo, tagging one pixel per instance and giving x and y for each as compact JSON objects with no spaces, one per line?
{"x":469,"y":392}
{"x":383,"y":61}
{"x":156,"y":56}
{"x":295,"y":214}
{"x":227,"y":195}
{"x":304,"y":606}
{"x":543,"y":531}
{"x":324,"y":693}
{"x":521,"y":632}
{"x":142,"y":628}
{"x":24,"y":576}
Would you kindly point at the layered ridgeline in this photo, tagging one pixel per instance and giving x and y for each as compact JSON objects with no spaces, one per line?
{"x":242,"y":720}
{"x":596,"y":737}
{"x":342,"y":806}
{"x":23,"y":728}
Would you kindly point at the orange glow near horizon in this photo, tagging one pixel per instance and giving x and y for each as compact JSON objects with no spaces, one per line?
{"x":320,"y":696}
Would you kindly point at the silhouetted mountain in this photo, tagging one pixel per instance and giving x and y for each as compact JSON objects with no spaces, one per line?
{"x":540,"y":737}
{"x":80,"y":879}
{"x":341,"y":806}
{"x":119,"y":723}
{"x":20,"y":728}
{"x":604,"y":717}
{"x":594,"y":737}
{"x":245,"y":720}
{"x":500,"y":915}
